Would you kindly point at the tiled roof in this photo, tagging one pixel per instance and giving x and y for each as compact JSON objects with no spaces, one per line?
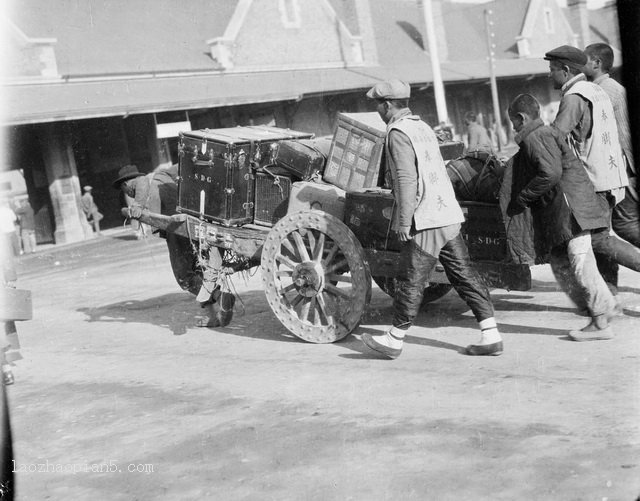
{"x":465,"y":28}
{"x":153,"y":37}
{"x":125,"y":36}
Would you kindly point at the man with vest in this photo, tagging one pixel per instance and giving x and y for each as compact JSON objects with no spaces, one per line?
{"x":626,"y":215}
{"x":587,"y":119}
{"x":427,"y":221}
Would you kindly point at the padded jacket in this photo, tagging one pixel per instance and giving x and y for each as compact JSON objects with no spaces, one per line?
{"x":549,"y":178}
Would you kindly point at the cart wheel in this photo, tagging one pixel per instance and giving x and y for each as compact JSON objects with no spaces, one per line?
{"x":315,"y":276}
{"x":431,"y":291}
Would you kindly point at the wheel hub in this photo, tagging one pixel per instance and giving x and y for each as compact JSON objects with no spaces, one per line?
{"x":308,"y":278}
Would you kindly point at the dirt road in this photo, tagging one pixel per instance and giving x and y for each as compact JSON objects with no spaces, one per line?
{"x":121,"y":397}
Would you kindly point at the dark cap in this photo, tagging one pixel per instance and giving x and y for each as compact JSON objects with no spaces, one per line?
{"x":568,"y":55}
{"x":392,"y":89}
{"x":125,"y":173}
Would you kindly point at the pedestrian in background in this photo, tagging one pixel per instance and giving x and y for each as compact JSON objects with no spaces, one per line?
{"x":9,"y":230}
{"x":427,"y":221}
{"x":27,"y":224}
{"x":90,"y":209}
{"x":549,"y":178}
{"x":478,"y":137}
{"x":586,"y":119}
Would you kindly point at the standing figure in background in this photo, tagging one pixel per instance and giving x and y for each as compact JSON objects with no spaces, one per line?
{"x":8,"y":230}
{"x":478,"y":135}
{"x":90,"y":209}
{"x":27,"y":223}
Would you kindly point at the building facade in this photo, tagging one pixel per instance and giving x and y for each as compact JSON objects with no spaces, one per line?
{"x":95,"y":86}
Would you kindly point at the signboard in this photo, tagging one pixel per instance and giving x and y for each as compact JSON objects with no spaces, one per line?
{"x":172,"y":129}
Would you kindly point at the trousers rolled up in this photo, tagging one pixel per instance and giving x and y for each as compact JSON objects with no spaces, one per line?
{"x":574,"y":266}
{"x":417,"y":266}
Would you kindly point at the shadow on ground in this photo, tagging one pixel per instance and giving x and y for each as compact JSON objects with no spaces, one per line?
{"x":176,"y":311}
{"x":179,"y":311}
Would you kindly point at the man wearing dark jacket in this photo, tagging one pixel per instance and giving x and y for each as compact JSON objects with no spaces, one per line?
{"x":548,"y":178}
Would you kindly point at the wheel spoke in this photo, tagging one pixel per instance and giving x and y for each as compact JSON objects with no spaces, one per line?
{"x":286,"y":289}
{"x":333,"y":277}
{"x":318,"y":250}
{"x":330,"y":255}
{"x":287,"y":245}
{"x":296,"y":300}
{"x":286,"y":261}
{"x":336,"y":266}
{"x":284,"y":273}
{"x":312,"y":242}
{"x":324,"y":309}
{"x":332,"y":289}
{"x":302,"y":249}
{"x":313,"y":304}
{"x":304,"y":311}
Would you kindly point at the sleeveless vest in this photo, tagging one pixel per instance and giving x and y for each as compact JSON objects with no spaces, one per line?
{"x":436,"y":203}
{"x":601,"y":152}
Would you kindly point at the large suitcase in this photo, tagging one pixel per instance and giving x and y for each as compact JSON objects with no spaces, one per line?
{"x":272,"y":190}
{"x":369,"y":213}
{"x":451,"y":149}
{"x":484,"y":231}
{"x":216,"y":170}
{"x":317,"y":196}
{"x":304,"y":158}
{"x":354,"y":159}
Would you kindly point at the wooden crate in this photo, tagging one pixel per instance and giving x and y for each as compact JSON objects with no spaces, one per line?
{"x":356,"y":150}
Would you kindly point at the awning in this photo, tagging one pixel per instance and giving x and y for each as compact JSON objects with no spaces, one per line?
{"x":78,"y":99}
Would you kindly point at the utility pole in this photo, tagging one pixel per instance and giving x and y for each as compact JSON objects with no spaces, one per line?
{"x":492,"y":73}
{"x":438,"y":86}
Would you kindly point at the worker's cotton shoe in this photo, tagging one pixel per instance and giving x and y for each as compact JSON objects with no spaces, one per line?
{"x":388,"y":344}
{"x":599,"y":329}
{"x":493,"y":349}
{"x":490,"y":340}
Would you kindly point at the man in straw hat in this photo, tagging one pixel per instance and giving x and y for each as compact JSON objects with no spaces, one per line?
{"x":157,"y":192}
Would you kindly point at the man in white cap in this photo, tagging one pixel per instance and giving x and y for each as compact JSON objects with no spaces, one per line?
{"x":427,"y":220}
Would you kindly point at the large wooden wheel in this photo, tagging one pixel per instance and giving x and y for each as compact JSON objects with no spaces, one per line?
{"x":315,"y":276}
{"x":432,"y":292}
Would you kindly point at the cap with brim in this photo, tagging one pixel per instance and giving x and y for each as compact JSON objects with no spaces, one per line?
{"x":567,"y":55}
{"x":391,"y":89}
{"x":125,"y":173}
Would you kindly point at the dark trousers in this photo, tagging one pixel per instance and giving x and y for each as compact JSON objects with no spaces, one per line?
{"x":184,"y":263}
{"x":611,"y":251}
{"x":625,"y":219}
{"x":417,"y":266}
